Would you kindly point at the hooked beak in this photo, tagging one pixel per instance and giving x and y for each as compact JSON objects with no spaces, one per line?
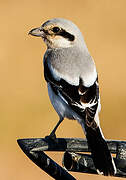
{"x":36,"y":32}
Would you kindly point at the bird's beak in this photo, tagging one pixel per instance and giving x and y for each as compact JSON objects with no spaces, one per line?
{"x":37,"y":32}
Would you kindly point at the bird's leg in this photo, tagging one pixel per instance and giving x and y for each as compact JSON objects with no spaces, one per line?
{"x":52,"y":134}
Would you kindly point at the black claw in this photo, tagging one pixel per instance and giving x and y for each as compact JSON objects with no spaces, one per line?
{"x":52,"y":137}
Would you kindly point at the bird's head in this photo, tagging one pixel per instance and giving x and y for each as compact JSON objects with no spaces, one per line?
{"x":59,"y":33}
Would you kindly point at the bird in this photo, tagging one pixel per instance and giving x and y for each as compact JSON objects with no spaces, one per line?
{"x":73,"y":88}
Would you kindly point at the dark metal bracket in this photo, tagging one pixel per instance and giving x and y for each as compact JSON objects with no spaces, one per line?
{"x":72,"y":161}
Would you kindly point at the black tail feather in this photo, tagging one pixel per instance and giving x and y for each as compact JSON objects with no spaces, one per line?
{"x":100,"y":153}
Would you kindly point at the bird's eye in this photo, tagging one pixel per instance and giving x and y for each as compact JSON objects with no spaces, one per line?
{"x":56,"y":29}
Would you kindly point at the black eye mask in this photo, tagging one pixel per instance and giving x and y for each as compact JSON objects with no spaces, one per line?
{"x":65,"y":34}
{"x":61,"y":32}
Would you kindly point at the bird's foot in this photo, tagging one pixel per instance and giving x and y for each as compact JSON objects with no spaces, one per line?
{"x":51,"y":137}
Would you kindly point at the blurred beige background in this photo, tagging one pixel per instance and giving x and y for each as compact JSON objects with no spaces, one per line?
{"x":25,"y":110}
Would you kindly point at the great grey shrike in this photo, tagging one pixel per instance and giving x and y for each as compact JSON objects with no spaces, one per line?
{"x":73,"y":88}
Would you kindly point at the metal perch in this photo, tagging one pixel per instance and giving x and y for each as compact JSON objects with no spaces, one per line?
{"x":72,"y":161}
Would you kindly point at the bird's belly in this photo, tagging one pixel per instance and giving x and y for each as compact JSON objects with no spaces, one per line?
{"x":61,"y":107}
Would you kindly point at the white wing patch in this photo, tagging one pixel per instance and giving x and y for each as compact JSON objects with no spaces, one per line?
{"x":82,"y":93}
{"x":83,"y":106}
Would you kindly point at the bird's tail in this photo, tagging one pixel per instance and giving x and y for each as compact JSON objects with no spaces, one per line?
{"x":101,"y":156}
